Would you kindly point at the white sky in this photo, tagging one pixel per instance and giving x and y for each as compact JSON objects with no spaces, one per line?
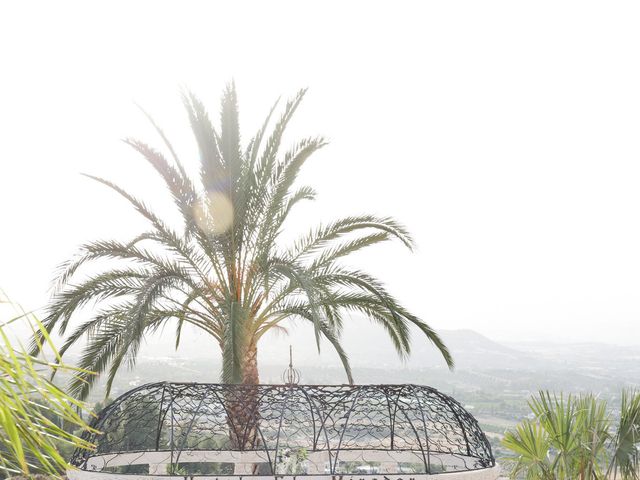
{"x":503,"y":134}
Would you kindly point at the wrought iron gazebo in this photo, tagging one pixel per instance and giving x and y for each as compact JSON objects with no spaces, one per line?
{"x":213,"y":430}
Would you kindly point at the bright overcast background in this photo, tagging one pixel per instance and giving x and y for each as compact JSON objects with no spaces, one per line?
{"x":505,"y":135}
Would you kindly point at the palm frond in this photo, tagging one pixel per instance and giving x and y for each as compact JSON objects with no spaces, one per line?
{"x":320,"y":237}
{"x":32,"y":409}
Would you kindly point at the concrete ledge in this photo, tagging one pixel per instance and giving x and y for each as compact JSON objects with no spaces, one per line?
{"x":483,"y":474}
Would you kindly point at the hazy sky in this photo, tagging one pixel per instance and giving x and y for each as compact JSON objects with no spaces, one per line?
{"x":503,"y":134}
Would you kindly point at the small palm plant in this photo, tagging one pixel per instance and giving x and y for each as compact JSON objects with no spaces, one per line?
{"x":225,"y":268}
{"x":573,"y":438}
{"x":32,"y":409}
{"x":625,"y":459}
{"x":530,"y":445}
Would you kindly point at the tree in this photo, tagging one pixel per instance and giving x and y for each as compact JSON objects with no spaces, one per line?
{"x":225,"y":269}
{"x":33,"y":411}
{"x":573,"y":438}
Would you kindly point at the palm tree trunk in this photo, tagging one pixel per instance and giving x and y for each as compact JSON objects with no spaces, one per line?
{"x":242,"y":405}
{"x":250,"y":366}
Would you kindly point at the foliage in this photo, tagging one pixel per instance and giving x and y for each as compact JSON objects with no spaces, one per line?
{"x":572,"y":437}
{"x":225,"y":269}
{"x":626,"y":451}
{"x":176,"y":469}
{"x":293,"y":461}
{"x":35,"y":415}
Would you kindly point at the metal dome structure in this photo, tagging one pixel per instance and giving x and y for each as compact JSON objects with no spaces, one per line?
{"x":213,"y":430}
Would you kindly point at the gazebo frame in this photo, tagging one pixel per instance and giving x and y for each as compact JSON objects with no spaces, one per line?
{"x":214,"y":430}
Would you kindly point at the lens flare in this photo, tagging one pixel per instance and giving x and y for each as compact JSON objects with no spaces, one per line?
{"x":214,"y":213}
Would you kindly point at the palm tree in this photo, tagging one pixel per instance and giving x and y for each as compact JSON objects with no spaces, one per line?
{"x":530,"y":445}
{"x":572,"y":438}
{"x":225,"y":269}
{"x":625,"y":459}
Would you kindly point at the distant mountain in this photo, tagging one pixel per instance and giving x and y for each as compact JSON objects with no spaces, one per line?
{"x":487,"y":372}
{"x":482,"y":365}
{"x":583,"y":355}
{"x":471,"y":349}
{"x":370,"y":348}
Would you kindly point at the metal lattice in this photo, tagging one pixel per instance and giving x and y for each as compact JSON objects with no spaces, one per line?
{"x":212,"y":429}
